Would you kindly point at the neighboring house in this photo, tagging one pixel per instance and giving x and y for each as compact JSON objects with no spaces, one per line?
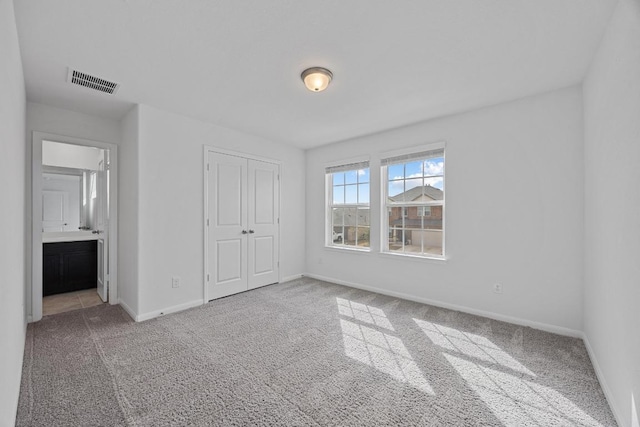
{"x":402,"y":219}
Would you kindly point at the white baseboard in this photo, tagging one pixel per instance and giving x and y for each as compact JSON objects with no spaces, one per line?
{"x":173,"y":309}
{"x":601,"y":379}
{"x":290,"y":278}
{"x":501,"y":317}
{"x":128,"y":309}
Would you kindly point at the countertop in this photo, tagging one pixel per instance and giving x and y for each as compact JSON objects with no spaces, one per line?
{"x":68,"y":236}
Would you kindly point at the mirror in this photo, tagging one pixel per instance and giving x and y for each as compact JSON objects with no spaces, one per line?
{"x":69,"y":181}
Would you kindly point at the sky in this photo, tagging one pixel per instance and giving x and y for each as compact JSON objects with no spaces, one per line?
{"x":353,"y":186}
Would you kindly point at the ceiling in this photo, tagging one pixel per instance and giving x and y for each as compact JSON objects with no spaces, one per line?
{"x":238,"y":63}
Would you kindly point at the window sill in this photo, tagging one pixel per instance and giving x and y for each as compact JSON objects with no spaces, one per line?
{"x":349,"y":249}
{"x":419,"y":258}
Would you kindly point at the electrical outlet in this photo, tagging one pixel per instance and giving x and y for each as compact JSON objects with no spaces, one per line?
{"x":497,"y":288}
{"x":175,"y":282}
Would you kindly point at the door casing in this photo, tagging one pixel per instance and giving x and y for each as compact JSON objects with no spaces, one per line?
{"x":36,"y":221}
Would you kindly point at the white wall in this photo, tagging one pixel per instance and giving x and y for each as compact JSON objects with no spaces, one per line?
{"x":12,"y":215}
{"x":71,"y":156}
{"x":171,"y":204}
{"x":43,"y":118}
{"x":128,"y":208}
{"x":612,"y":206}
{"x":514,"y":212}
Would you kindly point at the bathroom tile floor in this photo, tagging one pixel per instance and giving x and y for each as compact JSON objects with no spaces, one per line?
{"x":61,"y":303}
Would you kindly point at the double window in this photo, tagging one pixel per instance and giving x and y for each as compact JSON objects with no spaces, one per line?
{"x":349,"y":215}
{"x":412,"y":194}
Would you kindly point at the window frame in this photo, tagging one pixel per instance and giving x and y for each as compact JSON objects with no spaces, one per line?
{"x":385,"y":228}
{"x":329,"y":203}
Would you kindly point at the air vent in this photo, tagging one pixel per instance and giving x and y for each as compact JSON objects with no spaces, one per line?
{"x":92,"y":82}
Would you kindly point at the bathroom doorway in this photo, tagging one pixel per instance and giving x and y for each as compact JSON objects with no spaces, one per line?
{"x":74,"y":230}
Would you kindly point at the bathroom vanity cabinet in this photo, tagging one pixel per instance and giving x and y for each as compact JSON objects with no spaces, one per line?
{"x":69,"y":266}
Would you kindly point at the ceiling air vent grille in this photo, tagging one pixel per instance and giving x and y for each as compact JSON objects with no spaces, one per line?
{"x":92,"y":82}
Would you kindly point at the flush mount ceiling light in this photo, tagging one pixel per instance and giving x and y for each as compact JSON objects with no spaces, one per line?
{"x":316,"y":79}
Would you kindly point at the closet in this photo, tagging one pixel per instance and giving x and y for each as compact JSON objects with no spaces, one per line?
{"x":242,"y":219}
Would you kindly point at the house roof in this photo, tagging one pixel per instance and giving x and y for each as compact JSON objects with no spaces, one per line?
{"x":416,"y":192}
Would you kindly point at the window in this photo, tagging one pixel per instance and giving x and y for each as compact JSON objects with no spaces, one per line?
{"x":414,"y":201}
{"x":348,"y":215}
{"x":424,"y":210}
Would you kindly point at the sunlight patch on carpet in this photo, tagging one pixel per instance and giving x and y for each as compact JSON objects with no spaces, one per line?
{"x":382,"y":351}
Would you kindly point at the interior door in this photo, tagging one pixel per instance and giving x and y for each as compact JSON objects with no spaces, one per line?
{"x":55,"y":209}
{"x":263,"y":208}
{"x":243,"y":223}
{"x":102,"y":227}
{"x":227,"y":230}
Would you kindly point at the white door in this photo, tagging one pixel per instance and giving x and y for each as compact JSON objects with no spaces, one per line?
{"x":242,"y":234}
{"x":102,"y":227}
{"x":263,"y":223}
{"x":55,"y":209}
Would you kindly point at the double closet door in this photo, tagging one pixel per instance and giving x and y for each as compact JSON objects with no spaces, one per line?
{"x":242,"y":224}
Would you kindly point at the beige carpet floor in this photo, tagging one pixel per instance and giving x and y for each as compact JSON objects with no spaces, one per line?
{"x":304,"y":353}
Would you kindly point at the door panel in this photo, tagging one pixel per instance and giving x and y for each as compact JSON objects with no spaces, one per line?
{"x":263,"y":223}
{"x":229,"y":194}
{"x":227,"y":198}
{"x":229,"y":261}
{"x":264,"y":184}
{"x":263,"y":255}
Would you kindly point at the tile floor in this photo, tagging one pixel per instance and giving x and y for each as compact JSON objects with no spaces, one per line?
{"x":61,"y":303}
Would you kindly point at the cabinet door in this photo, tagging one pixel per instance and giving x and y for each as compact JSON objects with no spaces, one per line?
{"x":68,"y":266}
{"x":51,"y":274}
{"x":80,"y":269}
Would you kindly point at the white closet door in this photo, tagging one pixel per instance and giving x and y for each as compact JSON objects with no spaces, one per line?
{"x":263,"y":223}
{"x":227,"y":183}
{"x":243,"y":223}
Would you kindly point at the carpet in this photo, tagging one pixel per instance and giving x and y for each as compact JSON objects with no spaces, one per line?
{"x":304,"y":353}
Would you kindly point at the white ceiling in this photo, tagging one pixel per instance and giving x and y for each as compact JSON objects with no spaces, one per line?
{"x":238,"y":63}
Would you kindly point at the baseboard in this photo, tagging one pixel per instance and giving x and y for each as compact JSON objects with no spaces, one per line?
{"x":290,"y":278}
{"x":509,"y":319}
{"x":173,"y":309}
{"x":128,"y":309}
{"x":603,"y":383}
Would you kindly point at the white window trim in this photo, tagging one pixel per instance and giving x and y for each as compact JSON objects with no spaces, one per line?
{"x":384,"y":193}
{"x":329,"y":204}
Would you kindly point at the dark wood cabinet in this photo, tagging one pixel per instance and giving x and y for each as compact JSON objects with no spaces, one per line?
{"x":69,"y":266}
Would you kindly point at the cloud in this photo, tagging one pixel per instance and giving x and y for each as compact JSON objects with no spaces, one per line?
{"x":397,"y":187}
{"x":431,"y":168}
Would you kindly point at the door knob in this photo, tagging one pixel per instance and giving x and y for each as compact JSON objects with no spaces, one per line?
{"x":244,"y":231}
{"x":251,"y":231}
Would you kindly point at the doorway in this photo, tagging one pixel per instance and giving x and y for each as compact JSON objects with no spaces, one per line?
{"x":74,"y":223}
{"x":242,"y":223}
